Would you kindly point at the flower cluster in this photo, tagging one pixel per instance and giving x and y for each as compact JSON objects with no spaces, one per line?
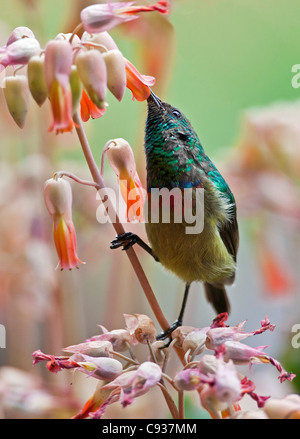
{"x":73,"y":71}
{"x":214,"y":375}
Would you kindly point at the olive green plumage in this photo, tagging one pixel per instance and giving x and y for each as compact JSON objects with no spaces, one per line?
{"x":176,"y":159}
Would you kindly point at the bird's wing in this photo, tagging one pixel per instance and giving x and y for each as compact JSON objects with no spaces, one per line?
{"x":229,"y":233}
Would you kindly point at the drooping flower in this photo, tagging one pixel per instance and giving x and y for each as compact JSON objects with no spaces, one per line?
{"x":17,"y":97}
{"x":136,"y":82}
{"x":58,"y":65}
{"x":121,"y":159}
{"x":136,"y":383}
{"x":91,"y":69}
{"x":58,"y":199}
{"x":103,"y":17}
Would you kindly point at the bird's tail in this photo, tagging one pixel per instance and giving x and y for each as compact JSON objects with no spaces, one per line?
{"x":217,"y":296}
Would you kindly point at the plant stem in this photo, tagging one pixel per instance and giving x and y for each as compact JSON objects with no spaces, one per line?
{"x":117,"y":225}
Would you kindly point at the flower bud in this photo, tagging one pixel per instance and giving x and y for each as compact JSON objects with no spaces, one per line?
{"x":188,"y":379}
{"x":17,"y":97}
{"x":92,"y":72}
{"x":120,"y":339}
{"x":227,"y":384}
{"x":102,"y":368}
{"x":76,"y":88}
{"x":141,"y":326}
{"x":194,"y":341}
{"x":116,"y":73}
{"x":91,"y":348}
{"x":180,"y":333}
{"x":36,"y":79}
{"x":58,"y":197}
{"x":207,"y":364}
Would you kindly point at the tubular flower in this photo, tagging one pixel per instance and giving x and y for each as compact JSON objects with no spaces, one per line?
{"x":89,"y":109}
{"x":216,"y":336}
{"x":136,"y":82}
{"x":121,"y":159}
{"x":58,"y":65}
{"x":103,"y":17}
{"x":58,"y":199}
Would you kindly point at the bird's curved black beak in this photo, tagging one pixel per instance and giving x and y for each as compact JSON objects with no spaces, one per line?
{"x":153,"y":98}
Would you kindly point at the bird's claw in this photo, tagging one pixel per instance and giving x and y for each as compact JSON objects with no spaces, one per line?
{"x":167,"y":334}
{"x":126,"y":240}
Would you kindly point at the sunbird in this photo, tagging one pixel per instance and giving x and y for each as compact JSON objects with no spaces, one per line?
{"x":175,"y":158}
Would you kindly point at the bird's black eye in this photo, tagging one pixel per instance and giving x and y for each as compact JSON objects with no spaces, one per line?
{"x":176,"y":113}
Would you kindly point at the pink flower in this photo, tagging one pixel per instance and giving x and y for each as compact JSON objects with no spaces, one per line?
{"x":18,"y":52}
{"x":97,"y":348}
{"x":120,"y":339}
{"x":103,"y":17}
{"x":135,"y":383}
{"x":240,"y":353}
{"x":19,"y":33}
{"x":58,"y":65}
{"x":58,"y":199}
{"x":218,"y":335}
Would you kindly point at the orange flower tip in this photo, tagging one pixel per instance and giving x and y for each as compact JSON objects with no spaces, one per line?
{"x":136,"y":82}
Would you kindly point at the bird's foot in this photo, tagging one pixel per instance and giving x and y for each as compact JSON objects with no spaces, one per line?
{"x":167,"y":334}
{"x":126,"y":240}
